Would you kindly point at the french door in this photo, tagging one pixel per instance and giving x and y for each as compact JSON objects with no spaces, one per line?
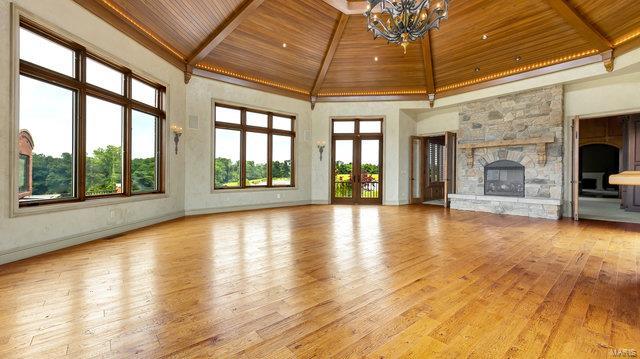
{"x":356,"y":154}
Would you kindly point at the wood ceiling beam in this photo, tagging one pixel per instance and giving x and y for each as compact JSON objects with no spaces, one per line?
{"x":585,"y":29}
{"x":328,"y":56}
{"x":220,"y":33}
{"x":348,"y":7}
{"x":429,"y":73}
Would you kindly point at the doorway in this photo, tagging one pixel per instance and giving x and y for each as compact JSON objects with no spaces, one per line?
{"x":432,"y":169}
{"x":356,"y":157}
{"x":603,"y":147}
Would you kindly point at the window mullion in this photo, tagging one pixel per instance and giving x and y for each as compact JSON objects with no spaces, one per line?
{"x":270,"y":150}
{"x":269,"y":159}
{"x":126,"y":156}
{"x":243,"y":149}
{"x":81,"y":131}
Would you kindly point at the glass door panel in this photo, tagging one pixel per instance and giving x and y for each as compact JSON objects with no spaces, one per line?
{"x":343,"y":169}
{"x":369,"y":169}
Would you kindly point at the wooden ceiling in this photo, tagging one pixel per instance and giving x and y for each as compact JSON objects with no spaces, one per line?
{"x":321,"y":50}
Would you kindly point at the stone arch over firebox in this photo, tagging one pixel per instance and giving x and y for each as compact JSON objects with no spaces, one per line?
{"x":538,"y":183}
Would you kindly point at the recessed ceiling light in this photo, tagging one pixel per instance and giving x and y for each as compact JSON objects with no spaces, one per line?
{"x":477,"y":69}
{"x":375,"y":58}
{"x":485,"y":36}
{"x":518,"y":58}
{"x":284,"y":44}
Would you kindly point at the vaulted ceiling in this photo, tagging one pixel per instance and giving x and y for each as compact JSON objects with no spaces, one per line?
{"x":321,"y":50}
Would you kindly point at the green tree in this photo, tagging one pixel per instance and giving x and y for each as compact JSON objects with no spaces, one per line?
{"x":226,"y":172}
{"x":53,"y":175}
{"x":104,"y":170}
{"x":343,"y":168}
{"x":143,"y":174}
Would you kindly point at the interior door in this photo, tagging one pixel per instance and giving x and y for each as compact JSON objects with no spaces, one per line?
{"x":449,"y":166}
{"x":434,"y":168}
{"x":416,"y":170}
{"x":575,"y":169}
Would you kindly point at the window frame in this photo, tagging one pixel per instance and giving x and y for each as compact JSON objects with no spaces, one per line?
{"x":243,"y":128}
{"x":81,"y":88}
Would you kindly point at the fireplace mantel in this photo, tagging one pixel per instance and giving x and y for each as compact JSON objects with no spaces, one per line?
{"x":541,"y":144}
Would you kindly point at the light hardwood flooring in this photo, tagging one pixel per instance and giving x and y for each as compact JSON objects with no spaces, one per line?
{"x":332,"y":281}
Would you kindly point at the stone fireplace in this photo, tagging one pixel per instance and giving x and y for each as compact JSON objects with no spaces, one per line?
{"x":510,"y":155}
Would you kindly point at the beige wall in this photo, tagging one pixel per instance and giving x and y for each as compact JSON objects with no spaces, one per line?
{"x":201,"y":94}
{"x":438,"y":121}
{"x":31,"y":234}
{"x":396,"y":131}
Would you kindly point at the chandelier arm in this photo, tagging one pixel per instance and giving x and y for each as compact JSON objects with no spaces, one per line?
{"x":384,"y":33}
{"x":406,"y":20}
{"x":417,"y":7}
{"x":381,"y":24}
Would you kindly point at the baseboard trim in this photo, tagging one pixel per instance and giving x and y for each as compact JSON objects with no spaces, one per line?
{"x":320,"y":201}
{"x":72,"y":240}
{"x":203,"y":211}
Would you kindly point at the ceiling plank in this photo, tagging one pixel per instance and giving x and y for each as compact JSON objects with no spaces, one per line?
{"x":349,"y":7}
{"x":220,"y":33}
{"x":328,"y":57}
{"x":427,"y":59}
{"x":580,"y":24}
{"x":136,"y":33}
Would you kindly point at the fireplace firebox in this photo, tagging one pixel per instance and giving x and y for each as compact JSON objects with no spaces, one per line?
{"x":504,"y":178}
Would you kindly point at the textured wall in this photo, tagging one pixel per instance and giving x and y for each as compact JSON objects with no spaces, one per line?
{"x":526,"y":115}
{"x":201,"y":93}
{"x":66,"y":225}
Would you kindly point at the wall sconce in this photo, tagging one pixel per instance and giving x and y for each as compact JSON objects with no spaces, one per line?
{"x":177,"y":132}
{"x":321,"y":145}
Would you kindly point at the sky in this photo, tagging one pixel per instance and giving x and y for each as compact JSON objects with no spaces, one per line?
{"x":370,"y":151}
{"x":227,"y":142}
{"x":46,"y":111}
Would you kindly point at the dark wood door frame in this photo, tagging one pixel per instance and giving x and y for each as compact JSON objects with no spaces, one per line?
{"x":449,"y":161}
{"x":416,"y":175}
{"x":450,"y":141}
{"x":632,"y":199}
{"x":356,"y":178}
{"x":575,"y":169}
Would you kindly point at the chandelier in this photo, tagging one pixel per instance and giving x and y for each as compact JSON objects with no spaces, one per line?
{"x":403,"y":21}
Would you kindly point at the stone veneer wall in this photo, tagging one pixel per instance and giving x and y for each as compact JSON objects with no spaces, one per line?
{"x":531,"y":114}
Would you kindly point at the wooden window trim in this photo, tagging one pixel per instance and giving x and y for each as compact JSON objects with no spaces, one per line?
{"x":243,"y":128}
{"x":78,"y":83}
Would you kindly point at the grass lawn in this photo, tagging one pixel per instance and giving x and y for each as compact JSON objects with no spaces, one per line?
{"x":260,"y":181}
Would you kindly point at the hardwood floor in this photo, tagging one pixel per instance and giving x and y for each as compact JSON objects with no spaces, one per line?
{"x":324,"y":281}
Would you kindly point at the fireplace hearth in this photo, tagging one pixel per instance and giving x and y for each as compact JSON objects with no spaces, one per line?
{"x":504,"y":178}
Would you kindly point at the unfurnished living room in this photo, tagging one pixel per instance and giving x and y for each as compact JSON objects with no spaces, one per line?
{"x":319,"y":178}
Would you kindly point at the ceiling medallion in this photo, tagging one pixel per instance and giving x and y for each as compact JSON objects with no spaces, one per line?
{"x":403,"y":21}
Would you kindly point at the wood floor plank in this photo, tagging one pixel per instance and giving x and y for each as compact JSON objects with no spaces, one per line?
{"x":332,"y":281}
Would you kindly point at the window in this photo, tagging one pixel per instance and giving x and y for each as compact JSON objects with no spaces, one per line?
{"x":143,"y":152}
{"x":23,"y":173}
{"x":252,"y":148}
{"x":104,"y":145}
{"x":95,"y":128}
